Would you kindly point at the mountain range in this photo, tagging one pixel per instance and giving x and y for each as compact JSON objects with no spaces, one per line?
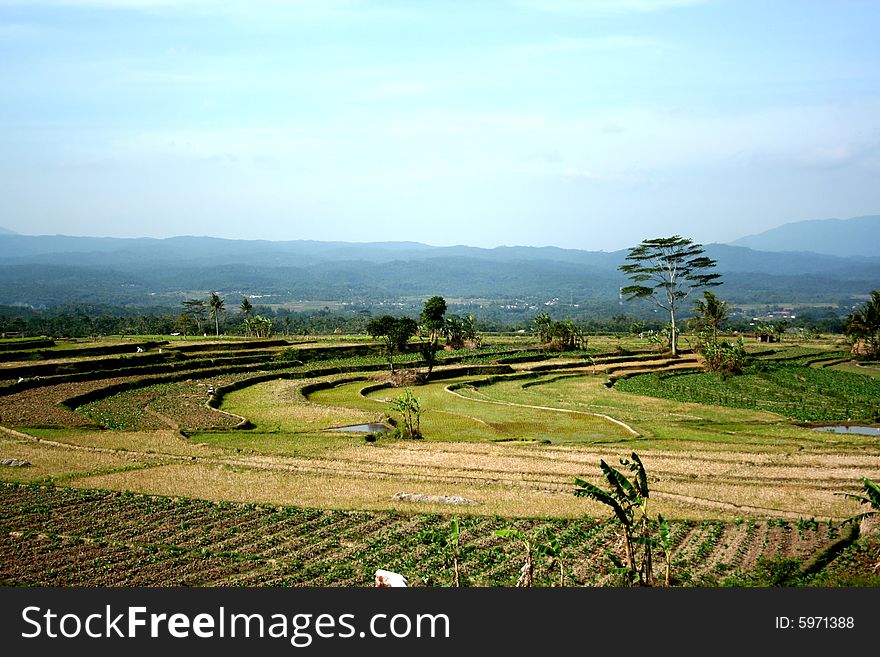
{"x":47,"y":271}
{"x":859,"y":236}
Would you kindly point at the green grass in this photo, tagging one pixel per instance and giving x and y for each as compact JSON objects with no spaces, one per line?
{"x":164,"y":442}
{"x":285,"y":424}
{"x":448,"y":417}
{"x":865,"y":369}
{"x":802,"y":393}
{"x":797,"y":351}
{"x":662,"y":422}
{"x":277,"y":409}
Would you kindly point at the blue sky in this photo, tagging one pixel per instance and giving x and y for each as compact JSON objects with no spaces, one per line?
{"x":578,"y":123}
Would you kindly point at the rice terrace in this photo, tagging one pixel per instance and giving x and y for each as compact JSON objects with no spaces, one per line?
{"x":166,"y":461}
{"x":570,"y":295}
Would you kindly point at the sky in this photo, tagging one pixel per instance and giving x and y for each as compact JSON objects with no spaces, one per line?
{"x":588,"y":124}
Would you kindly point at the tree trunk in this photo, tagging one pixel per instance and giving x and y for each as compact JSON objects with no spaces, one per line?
{"x":630,"y":557}
{"x":649,"y":563}
{"x":673,"y":335}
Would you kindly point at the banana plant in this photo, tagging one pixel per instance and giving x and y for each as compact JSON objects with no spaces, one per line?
{"x":549,"y":548}
{"x":452,"y":544}
{"x":553,"y":551}
{"x":665,"y":543}
{"x":629,"y":501}
{"x":449,"y":544}
{"x":528,"y":568}
{"x":871,"y":498}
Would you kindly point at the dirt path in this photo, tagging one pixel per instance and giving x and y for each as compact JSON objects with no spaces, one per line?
{"x":164,"y":418}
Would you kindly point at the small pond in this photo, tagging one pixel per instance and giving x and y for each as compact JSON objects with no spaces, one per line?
{"x":864,"y":431}
{"x":371,"y":427}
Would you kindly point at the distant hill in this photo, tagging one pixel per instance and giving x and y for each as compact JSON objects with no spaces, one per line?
{"x":859,"y":236}
{"x":6,"y":231}
{"x":47,"y":271}
{"x":208,"y":251}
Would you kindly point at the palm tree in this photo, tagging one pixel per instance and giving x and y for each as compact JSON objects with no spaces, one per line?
{"x":469,"y":330}
{"x":246,"y":310}
{"x":543,"y":324}
{"x":864,"y":324}
{"x":711,"y":311}
{"x":217,"y":308}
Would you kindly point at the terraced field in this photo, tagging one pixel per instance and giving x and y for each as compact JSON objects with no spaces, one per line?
{"x":238,"y":433}
{"x":801,"y":392}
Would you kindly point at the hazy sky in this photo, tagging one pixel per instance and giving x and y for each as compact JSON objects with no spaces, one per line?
{"x":579,"y":123}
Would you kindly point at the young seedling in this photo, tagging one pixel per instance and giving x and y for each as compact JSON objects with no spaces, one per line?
{"x":449,"y":543}
{"x":553,"y":551}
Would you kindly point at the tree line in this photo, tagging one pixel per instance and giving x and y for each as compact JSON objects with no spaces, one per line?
{"x":396,"y":332}
{"x":664,"y":271}
{"x":213,"y":310}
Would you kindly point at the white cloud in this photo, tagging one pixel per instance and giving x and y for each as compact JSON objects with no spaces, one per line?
{"x":382,"y":149}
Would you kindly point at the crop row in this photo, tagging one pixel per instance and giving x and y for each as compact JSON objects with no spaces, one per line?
{"x":69,"y":537}
{"x":153,"y":407}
